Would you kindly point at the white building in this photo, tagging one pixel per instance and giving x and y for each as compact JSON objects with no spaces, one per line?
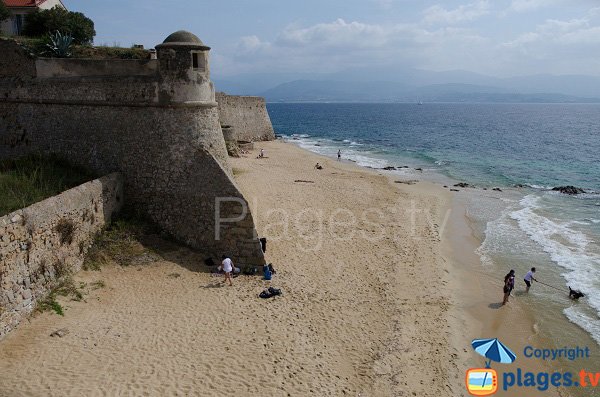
{"x":19,"y":8}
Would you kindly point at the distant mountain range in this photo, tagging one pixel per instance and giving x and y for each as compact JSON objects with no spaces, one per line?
{"x":412,"y":85}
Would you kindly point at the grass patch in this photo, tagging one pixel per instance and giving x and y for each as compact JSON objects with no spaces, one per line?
{"x":65,"y":228}
{"x":37,"y":46}
{"x":50,"y":304}
{"x":97,"y":285}
{"x":67,"y":288}
{"x":33,"y":178}
{"x":105,"y":52}
{"x":121,"y":243}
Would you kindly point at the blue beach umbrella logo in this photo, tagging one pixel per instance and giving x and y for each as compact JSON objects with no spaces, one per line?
{"x":493,"y":350}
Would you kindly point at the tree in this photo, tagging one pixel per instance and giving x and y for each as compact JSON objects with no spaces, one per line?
{"x":76,"y":24}
{"x":4,"y":14}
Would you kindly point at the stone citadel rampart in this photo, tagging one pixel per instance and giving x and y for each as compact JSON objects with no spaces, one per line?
{"x":247,"y":115}
{"x":154,"y":121}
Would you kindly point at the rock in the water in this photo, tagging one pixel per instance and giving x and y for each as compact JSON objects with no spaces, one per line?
{"x":418,"y":169}
{"x":497,"y":189}
{"x":568,"y":190}
{"x":462,"y":184}
{"x":389,"y":168}
{"x":519,"y":185}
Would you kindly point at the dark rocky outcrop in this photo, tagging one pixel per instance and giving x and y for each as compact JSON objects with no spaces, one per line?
{"x":462,"y":184}
{"x":571,"y":190}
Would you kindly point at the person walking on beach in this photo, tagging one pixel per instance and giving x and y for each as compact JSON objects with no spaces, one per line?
{"x":227,"y":268}
{"x":509,"y":284}
{"x":529,"y":278}
{"x":339,"y":155}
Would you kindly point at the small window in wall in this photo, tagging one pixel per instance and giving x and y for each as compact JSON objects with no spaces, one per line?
{"x":195,"y":61}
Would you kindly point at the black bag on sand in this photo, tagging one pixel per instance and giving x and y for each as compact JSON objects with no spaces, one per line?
{"x":274,"y":291}
{"x":270,"y":292}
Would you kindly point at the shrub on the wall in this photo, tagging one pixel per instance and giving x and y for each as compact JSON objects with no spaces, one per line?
{"x":4,"y":14}
{"x":42,"y":22}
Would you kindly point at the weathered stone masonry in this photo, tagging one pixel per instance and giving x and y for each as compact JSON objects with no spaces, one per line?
{"x":247,"y":115}
{"x":155,"y":121}
{"x":42,"y":242}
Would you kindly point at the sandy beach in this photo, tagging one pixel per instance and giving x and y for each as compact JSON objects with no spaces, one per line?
{"x":364,"y":311}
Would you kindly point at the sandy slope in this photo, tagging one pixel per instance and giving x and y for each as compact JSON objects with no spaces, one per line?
{"x":364,"y":310}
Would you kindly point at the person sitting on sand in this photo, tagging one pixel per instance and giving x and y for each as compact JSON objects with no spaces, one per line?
{"x":509,"y":284}
{"x":318,"y":166}
{"x":529,"y":278}
{"x":227,"y":268}
{"x":262,"y":154}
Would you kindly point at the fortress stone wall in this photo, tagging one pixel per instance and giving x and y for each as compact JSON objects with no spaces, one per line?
{"x":43,"y":242}
{"x":247,"y":115}
{"x":155,"y":121}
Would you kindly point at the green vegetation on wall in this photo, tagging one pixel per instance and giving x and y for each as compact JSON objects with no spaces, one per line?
{"x":30,"y":179}
{"x":44,"y":22}
{"x":4,"y":14}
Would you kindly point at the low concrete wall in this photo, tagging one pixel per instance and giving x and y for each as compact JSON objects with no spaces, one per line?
{"x":247,"y":115}
{"x":46,"y":240}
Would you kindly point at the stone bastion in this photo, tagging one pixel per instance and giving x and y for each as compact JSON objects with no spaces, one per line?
{"x":155,"y":121}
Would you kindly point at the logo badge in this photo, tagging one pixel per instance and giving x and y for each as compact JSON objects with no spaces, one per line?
{"x":482,"y":381}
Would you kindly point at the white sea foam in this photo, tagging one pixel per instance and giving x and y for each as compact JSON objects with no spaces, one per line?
{"x":570,"y":249}
{"x":329,"y":148}
{"x":539,"y":187}
{"x":577,"y":314}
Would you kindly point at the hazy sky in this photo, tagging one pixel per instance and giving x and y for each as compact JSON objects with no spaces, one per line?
{"x":494,"y":37}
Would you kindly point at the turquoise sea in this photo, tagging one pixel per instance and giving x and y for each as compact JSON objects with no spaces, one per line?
{"x":536,"y":146}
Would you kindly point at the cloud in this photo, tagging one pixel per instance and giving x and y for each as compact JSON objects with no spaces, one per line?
{"x":521,"y":6}
{"x":251,"y":44}
{"x":340,"y":44}
{"x":559,"y":46}
{"x":556,"y":32}
{"x":435,"y":42}
{"x":385,"y":4}
{"x":439,"y":15}
{"x":335,"y":34}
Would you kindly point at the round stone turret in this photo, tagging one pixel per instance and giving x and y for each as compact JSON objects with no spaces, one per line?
{"x":183,"y":66}
{"x":184,"y":38}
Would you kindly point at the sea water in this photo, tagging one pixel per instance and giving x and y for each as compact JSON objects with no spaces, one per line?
{"x":532,"y":146}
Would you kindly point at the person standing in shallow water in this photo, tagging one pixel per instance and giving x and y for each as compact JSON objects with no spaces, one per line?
{"x":509,"y":284}
{"x":529,"y":278}
{"x":339,"y":155}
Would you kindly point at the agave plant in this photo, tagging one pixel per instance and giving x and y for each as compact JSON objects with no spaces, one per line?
{"x":59,"y":44}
